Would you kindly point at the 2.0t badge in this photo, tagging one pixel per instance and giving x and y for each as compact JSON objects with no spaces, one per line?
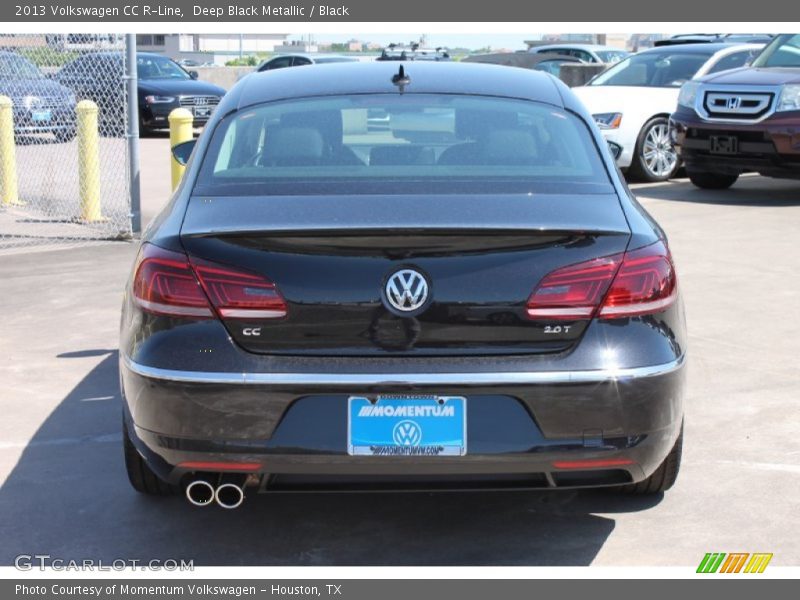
{"x":406,"y":290}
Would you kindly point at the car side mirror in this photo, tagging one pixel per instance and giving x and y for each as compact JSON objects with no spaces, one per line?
{"x":194,"y":74}
{"x":181,"y":152}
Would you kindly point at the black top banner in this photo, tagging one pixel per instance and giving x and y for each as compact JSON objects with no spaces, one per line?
{"x":116,"y":11}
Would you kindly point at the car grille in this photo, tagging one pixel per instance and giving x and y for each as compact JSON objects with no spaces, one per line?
{"x":192,"y":101}
{"x":737,"y":105}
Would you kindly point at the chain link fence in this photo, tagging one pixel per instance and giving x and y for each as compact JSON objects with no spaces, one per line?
{"x":64,"y":175}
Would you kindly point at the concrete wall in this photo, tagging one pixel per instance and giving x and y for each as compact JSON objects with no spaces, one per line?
{"x":225,"y":77}
{"x":575,"y":74}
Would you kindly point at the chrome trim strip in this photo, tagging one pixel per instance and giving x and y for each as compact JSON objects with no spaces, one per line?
{"x":442,"y":379}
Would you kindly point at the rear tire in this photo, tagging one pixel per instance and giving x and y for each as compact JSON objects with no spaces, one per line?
{"x":142,"y":478}
{"x":712,"y":181}
{"x":664,"y":476}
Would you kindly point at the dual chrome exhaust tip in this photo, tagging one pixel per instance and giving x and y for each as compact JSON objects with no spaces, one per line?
{"x":228,"y":494}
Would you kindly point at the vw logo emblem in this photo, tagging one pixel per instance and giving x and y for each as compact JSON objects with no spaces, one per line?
{"x":407,"y":433}
{"x":406,"y":290}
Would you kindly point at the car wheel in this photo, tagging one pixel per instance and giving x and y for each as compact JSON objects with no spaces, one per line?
{"x":66,"y":135}
{"x":655,"y":158}
{"x":712,"y":181}
{"x":664,"y":476}
{"x":140,"y":474}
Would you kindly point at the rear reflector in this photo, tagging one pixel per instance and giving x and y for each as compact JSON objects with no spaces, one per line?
{"x":637,"y":283}
{"x":219,"y":466}
{"x":592,"y":463}
{"x":165,"y":285}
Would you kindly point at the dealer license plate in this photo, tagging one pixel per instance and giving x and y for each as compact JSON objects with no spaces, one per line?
{"x":407,"y":426}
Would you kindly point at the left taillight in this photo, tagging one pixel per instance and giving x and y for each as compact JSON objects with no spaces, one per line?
{"x":164,"y":284}
{"x":169,"y":283}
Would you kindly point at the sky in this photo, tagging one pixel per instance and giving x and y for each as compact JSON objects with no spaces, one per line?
{"x":512,"y":41}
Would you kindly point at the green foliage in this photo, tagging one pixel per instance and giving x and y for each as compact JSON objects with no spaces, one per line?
{"x":44,"y":56}
{"x":250,"y":60}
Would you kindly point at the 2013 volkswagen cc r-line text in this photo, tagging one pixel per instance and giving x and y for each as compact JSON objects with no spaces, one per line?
{"x":421,"y":276}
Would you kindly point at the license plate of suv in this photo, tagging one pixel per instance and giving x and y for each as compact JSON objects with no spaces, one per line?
{"x":407,"y":426}
{"x":724,"y":144}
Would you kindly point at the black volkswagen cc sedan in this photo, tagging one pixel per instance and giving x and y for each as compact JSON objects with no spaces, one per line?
{"x":461,"y":293}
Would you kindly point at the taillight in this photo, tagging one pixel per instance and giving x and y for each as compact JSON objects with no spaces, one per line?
{"x":645,"y":284}
{"x":239,"y":295}
{"x":164,"y":284}
{"x":639,"y":282}
{"x":573,"y":292}
{"x":167,"y":283}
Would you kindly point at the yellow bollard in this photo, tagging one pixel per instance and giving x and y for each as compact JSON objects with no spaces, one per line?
{"x":180,"y":130}
{"x":8,"y":154}
{"x":89,"y":161}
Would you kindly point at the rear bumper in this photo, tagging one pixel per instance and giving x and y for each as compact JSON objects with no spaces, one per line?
{"x":520,"y":425}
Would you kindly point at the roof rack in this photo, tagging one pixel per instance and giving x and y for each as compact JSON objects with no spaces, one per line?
{"x":413,"y":51}
{"x":709,"y":38}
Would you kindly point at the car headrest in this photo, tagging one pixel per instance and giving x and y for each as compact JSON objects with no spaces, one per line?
{"x":326,"y":122}
{"x":510,"y":147}
{"x":473,"y":123}
{"x":293,"y":143}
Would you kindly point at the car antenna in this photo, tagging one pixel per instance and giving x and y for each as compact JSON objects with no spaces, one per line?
{"x":400,"y":79}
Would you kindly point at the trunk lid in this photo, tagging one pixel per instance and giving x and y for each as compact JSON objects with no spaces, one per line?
{"x":331,"y":258}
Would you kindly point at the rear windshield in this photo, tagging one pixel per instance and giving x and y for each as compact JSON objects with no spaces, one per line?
{"x":401,"y":143}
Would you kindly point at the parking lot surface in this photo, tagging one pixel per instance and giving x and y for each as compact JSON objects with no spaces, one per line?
{"x":64,"y":491}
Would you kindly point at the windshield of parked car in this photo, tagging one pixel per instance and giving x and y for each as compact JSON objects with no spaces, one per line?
{"x":654,"y":69}
{"x":393,"y":143}
{"x":17,"y":67}
{"x":784,"y":51}
{"x":611,"y":56}
{"x":158,"y":67}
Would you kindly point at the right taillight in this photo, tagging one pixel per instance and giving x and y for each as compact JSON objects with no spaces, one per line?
{"x":636,"y":283}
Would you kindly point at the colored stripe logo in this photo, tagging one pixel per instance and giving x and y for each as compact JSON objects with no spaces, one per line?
{"x":734,"y":562}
